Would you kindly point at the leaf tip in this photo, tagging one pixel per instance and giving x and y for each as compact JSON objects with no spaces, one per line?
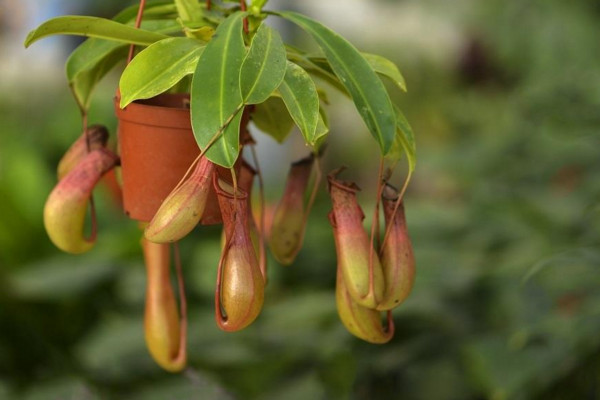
{"x":29,"y":39}
{"x":124,"y":102}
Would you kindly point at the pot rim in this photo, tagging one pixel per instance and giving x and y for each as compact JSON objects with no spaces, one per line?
{"x":157,"y":111}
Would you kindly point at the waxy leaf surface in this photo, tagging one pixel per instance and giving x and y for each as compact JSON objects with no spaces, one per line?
{"x":93,"y":27}
{"x":300,"y":96}
{"x":216,"y":99}
{"x":158,"y":67}
{"x":264,"y":66}
{"x":84,"y":78}
{"x":189,"y":10}
{"x":153,"y":9}
{"x":92,"y":59}
{"x":357,"y":76}
{"x":386,"y":68}
{"x":407,"y":138}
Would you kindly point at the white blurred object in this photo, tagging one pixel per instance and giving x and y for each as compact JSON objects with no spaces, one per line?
{"x":421,"y":29}
{"x":42,"y":63}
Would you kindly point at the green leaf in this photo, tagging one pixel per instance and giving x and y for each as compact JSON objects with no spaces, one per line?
{"x":381,"y":65}
{"x":322,"y":126}
{"x":216,"y":100}
{"x":300,"y":96}
{"x":189,"y":10}
{"x":322,"y":130}
{"x":83,"y":83}
{"x":152,"y":9}
{"x":355,"y":73}
{"x":404,"y":139}
{"x":93,"y":27}
{"x":396,"y":149}
{"x":316,"y":70}
{"x":386,"y":68}
{"x":88,"y":54}
{"x":92,"y":59}
{"x":273,"y":118}
{"x":264,"y":66}
{"x":158,"y":67}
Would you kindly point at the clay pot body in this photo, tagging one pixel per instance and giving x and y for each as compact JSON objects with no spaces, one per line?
{"x":157,"y":146}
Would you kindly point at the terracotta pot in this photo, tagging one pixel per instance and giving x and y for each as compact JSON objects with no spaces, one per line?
{"x":157,"y":146}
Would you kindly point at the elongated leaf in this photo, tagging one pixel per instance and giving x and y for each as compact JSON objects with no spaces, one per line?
{"x":300,"y":96}
{"x":322,"y":130}
{"x":83,"y":83}
{"x":158,"y":67}
{"x":93,"y":27}
{"x":381,"y":65}
{"x":322,"y":127}
{"x":152,"y":9}
{"x":405,"y":137}
{"x":355,"y":73}
{"x":273,"y":118}
{"x":264,"y":66}
{"x":92,"y":59}
{"x":93,"y":50}
{"x":317,"y":71}
{"x":88,"y":54}
{"x":216,"y":100}
{"x":386,"y":68}
{"x":189,"y":10}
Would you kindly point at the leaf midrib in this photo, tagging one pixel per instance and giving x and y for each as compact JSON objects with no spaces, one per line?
{"x":343,"y":67}
{"x":262,"y":66}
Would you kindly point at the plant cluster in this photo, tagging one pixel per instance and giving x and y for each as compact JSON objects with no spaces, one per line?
{"x":237,"y":69}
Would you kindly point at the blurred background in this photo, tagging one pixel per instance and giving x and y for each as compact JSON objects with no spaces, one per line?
{"x":504,"y":99}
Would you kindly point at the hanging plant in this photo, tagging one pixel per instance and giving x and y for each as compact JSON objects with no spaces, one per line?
{"x":202,"y":71}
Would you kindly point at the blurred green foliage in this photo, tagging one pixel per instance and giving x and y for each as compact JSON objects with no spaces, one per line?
{"x":503,"y":213}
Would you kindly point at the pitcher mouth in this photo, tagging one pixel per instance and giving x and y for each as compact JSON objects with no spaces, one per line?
{"x":347,"y":186}
{"x":390,"y":192}
{"x":226,"y":189}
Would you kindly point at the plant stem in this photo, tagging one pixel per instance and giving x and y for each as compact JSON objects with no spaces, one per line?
{"x":245,"y":21}
{"x":138,"y":22}
{"x":396,"y":206}
{"x":93,"y":215}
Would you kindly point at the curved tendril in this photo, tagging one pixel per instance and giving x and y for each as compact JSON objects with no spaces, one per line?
{"x":261,"y":194}
{"x":315,"y":189}
{"x":375,"y":228}
{"x":94,"y":231}
{"x":220,"y":317}
{"x":396,"y":206}
{"x":188,"y":172}
{"x":182,"y":354}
